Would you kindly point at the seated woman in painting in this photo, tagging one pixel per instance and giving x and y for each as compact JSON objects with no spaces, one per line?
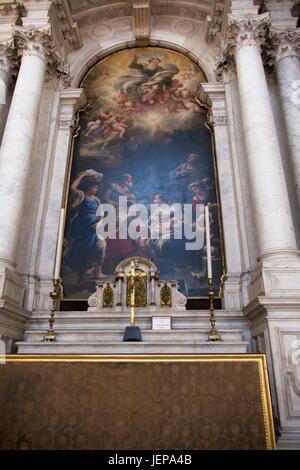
{"x":87,"y":250}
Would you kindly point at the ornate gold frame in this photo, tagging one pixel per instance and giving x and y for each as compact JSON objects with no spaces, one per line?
{"x":259,"y":359}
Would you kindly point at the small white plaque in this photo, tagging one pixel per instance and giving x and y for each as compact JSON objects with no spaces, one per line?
{"x":161,"y":323}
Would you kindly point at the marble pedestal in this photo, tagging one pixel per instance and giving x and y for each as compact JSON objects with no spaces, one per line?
{"x":275,"y":330}
{"x":277,"y":275}
{"x":13,"y":315}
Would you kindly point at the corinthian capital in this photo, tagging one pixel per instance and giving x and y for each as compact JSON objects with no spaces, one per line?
{"x":250,"y":30}
{"x":33,"y":41}
{"x":7,"y":56}
{"x":242,"y":31}
{"x":39,"y":42}
{"x":285,"y":43}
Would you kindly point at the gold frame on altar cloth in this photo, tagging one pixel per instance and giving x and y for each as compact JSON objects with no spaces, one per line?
{"x":259,"y":359}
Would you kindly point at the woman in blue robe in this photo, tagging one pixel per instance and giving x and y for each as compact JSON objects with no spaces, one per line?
{"x":87,"y":251}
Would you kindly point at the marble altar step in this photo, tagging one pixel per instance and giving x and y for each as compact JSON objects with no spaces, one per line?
{"x":102,"y":333}
{"x":189,"y":319}
{"x":144,"y":347}
{"x":116,"y":335}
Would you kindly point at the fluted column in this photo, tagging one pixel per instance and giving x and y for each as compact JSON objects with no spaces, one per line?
{"x":19,"y":133}
{"x":271,"y":208}
{"x":287,"y":66}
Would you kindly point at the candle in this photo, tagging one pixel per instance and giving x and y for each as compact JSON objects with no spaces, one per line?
{"x":60,"y":243}
{"x":208,"y":247}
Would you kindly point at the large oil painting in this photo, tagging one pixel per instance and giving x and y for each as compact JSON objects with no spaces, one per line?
{"x":143,"y":140}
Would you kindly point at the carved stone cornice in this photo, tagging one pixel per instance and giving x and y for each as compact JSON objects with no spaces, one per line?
{"x":9,"y":15}
{"x":69,"y":28}
{"x":9,"y":10}
{"x":215,"y":97}
{"x":281,"y":44}
{"x":250,"y":30}
{"x":71,"y":101}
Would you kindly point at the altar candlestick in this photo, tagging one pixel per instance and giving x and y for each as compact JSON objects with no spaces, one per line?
{"x":59,"y":249}
{"x":208,"y":246}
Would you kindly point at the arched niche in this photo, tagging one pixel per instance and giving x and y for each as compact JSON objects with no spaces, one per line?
{"x":144,"y":136}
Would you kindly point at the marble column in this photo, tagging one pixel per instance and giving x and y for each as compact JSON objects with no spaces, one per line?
{"x":9,"y":15}
{"x":4,"y":75}
{"x":272,"y":214}
{"x":287,"y":66}
{"x":230,"y":216}
{"x":18,"y":138}
{"x":71,"y":100}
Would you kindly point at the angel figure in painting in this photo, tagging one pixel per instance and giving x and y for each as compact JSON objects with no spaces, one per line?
{"x":114,"y":123}
{"x":92,"y":126}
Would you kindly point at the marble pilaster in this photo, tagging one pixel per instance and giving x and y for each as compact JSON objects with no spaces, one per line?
{"x":219,"y":121}
{"x":71,"y":100}
{"x":275,"y":332}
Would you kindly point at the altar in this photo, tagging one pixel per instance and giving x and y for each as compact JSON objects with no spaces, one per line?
{"x":155,"y":295}
{"x":159,"y":312}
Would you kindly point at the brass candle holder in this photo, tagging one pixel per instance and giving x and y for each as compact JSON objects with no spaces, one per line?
{"x":55,"y":295}
{"x":213,"y":334}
